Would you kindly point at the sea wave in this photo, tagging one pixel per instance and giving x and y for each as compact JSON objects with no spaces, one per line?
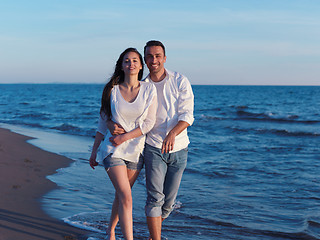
{"x":65,"y":127}
{"x":24,"y":103}
{"x":85,"y":221}
{"x":288,"y":133}
{"x":207,"y":117}
{"x":295,"y":133}
{"x":97,"y":222}
{"x":23,"y":123}
{"x":301,"y":233}
{"x":211,"y":174}
{"x":250,"y":116}
{"x":279,"y":132}
{"x":35,"y":116}
{"x":272,"y":117}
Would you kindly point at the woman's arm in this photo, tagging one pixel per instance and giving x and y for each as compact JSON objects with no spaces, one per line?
{"x":97,"y":140}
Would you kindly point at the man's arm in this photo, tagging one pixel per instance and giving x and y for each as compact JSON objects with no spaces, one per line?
{"x":115,"y":128}
{"x":185,"y":114}
{"x":168,"y":142}
{"x":116,"y":140}
{"x":143,"y":128}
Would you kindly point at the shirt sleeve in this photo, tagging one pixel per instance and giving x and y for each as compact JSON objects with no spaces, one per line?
{"x":150,"y":119}
{"x":185,"y":102}
{"x":102,"y":124}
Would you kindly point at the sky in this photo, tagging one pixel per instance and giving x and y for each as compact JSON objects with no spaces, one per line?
{"x":218,"y":42}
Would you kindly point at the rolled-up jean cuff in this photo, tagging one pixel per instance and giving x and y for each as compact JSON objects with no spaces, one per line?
{"x":165,"y":215}
{"x":153,"y":211}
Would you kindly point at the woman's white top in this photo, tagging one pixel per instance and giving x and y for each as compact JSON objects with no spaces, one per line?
{"x":130,"y":115}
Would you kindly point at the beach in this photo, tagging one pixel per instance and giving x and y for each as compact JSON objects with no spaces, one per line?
{"x":252,"y":172}
{"x":23,"y":172}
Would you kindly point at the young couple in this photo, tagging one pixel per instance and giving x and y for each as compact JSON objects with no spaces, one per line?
{"x":144,"y":122}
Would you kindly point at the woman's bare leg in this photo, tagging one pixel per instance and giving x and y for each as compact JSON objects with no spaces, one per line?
{"x":114,"y":218}
{"x":119,"y":178}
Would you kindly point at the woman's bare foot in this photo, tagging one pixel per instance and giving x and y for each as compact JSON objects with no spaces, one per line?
{"x":111,"y":235}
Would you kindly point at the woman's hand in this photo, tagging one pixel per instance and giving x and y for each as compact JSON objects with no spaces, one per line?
{"x":92,"y":161}
{"x":118,"y":139}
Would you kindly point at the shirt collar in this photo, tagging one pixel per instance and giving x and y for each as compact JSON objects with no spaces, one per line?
{"x":163,"y":80}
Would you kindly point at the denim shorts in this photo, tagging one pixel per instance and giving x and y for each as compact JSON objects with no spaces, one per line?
{"x":110,"y":161}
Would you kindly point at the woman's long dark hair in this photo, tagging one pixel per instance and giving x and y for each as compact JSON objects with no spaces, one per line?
{"x":117,"y":78}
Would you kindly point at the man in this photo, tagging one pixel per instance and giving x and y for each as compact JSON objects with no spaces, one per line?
{"x":166,"y":144}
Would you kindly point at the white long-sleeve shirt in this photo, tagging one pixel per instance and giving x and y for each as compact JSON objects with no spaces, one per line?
{"x":139,"y":113}
{"x":175,"y":103}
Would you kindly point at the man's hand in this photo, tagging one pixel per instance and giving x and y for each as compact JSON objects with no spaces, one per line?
{"x":115,"y":128}
{"x":168,"y":142}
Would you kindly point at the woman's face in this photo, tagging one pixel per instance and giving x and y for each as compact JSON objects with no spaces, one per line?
{"x":131,"y":64}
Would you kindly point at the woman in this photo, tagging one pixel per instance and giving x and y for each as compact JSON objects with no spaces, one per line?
{"x":132,"y":105}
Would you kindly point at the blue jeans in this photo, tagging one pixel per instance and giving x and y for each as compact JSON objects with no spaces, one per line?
{"x":163,"y":177}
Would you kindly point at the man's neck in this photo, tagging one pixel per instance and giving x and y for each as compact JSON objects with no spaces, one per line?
{"x":158,"y":77}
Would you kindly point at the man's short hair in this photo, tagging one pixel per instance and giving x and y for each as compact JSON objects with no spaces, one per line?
{"x":154,"y":43}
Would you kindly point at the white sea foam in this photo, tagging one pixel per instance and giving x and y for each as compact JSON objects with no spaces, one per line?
{"x":177,"y":205}
{"x":87,"y":221}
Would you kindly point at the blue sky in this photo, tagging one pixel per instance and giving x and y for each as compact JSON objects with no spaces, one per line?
{"x":258,"y":42}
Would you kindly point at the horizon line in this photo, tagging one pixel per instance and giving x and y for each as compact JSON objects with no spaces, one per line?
{"x":198,"y":84}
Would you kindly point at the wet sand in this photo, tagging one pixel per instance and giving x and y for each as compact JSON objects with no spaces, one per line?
{"x":23,"y":171}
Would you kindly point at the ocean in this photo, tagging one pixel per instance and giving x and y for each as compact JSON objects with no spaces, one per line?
{"x":253,"y":171}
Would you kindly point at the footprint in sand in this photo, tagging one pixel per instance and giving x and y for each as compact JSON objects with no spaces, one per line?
{"x":69,"y":238}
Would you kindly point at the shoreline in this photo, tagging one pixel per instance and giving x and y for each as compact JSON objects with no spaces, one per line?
{"x":23,"y":181}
